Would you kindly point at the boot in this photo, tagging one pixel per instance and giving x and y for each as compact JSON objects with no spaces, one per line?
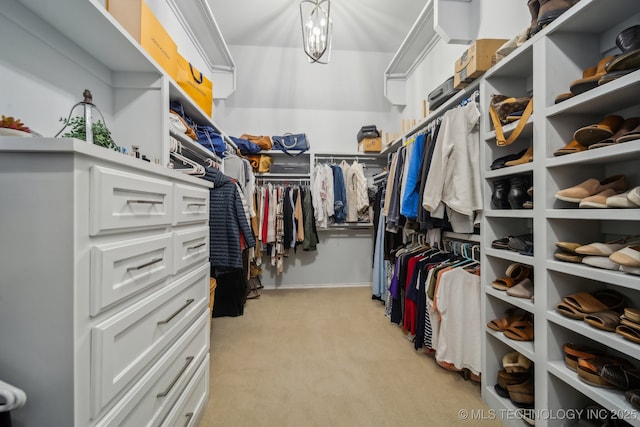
{"x":518,"y":186}
{"x":534,"y":8}
{"x":500,"y":192}
{"x":551,"y":9}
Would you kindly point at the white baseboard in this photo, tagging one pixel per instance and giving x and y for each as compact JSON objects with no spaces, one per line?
{"x":317,"y":285}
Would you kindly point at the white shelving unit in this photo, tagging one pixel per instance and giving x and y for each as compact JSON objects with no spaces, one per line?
{"x":545,"y":66}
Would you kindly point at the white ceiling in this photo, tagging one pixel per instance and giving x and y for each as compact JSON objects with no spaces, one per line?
{"x":364,"y":25}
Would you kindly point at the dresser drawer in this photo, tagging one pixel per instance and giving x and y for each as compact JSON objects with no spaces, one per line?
{"x":192,"y":402}
{"x":122,"y":200}
{"x":191,"y":204}
{"x":151,"y":398}
{"x":121,"y":269}
{"x":190,"y":247}
{"x":123,"y":346}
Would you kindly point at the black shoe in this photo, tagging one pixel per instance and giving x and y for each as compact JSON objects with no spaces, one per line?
{"x":518,"y":186}
{"x":500,"y":193}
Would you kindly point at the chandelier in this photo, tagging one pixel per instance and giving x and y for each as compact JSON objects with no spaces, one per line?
{"x":316,"y":30}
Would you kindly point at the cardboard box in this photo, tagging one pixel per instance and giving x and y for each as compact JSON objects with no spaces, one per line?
{"x":370,"y":145}
{"x":136,"y":17}
{"x":477,"y":59}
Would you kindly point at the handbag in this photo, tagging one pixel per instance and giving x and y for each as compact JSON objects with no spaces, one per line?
{"x":245,"y":146}
{"x":260,"y":163}
{"x":292,"y":142}
{"x":262,"y":141}
{"x":504,"y":109}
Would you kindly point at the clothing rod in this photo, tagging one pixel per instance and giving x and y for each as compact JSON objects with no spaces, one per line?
{"x":460,"y":236}
{"x":346,"y":156}
{"x":451,"y":103}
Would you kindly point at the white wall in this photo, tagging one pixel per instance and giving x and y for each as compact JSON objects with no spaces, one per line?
{"x":278,"y":91}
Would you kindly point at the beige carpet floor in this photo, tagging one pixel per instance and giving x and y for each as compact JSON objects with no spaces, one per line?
{"x":327,"y":357}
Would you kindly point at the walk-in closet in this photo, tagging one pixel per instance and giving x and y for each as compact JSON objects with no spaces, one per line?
{"x":319,"y":212}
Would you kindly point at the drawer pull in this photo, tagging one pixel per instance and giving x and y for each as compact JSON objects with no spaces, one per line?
{"x":177,"y":377}
{"x":189,"y":415}
{"x":197,"y":246}
{"x":164,"y":322}
{"x":146,"y":264}
{"x":197,"y":204}
{"x":147,"y":202}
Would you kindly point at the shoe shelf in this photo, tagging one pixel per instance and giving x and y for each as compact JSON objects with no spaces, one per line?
{"x":618,"y":278}
{"x":608,"y":97}
{"x":527,"y":131}
{"x":611,"y":340}
{"x":522,"y":303}
{"x":615,"y":153}
{"x":526,"y":348}
{"x":595,"y":214}
{"x":509,"y":255}
{"x":592,"y":16}
{"x":609,"y":398}
{"x":505,"y":409}
{"x":510,"y":170}
{"x":509,"y":213}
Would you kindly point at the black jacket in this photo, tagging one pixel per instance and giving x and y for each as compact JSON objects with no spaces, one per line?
{"x":227,"y":220}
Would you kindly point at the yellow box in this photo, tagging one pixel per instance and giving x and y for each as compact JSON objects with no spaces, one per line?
{"x":195,"y":84}
{"x":477,"y":59}
{"x":370,"y":145}
{"x":142,"y":24}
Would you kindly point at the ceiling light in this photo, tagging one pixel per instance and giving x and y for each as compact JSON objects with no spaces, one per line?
{"x":316,"y":30}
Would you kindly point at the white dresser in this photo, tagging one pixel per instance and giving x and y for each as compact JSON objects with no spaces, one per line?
{"x":104,"y":286}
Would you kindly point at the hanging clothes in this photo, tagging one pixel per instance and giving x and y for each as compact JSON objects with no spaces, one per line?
{"x":454,"y":177}
{"x":310,"y":234}
{"x":227,"y":220}
{"x":411,"y":197}
{"x":339,"y":195}
{"x":361,"y":189}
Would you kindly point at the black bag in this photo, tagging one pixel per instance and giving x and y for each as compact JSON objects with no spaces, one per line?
{"x":292,"y":142}
{"x":441,"y":94}
{"x":368,"y":132}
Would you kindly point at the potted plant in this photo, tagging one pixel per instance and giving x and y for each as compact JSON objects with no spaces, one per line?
{"x":101,"y":135}
{"x":10,"y":126}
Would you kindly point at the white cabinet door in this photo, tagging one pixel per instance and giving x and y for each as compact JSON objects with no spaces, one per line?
{"x":191,"y":204}
{"x":123,"y":200}
{"x":119,"y":270}
{"x":123,"y":346}
{"x":151,"y":398}
{"x":191,"y":404}
{"x":190,"y":247}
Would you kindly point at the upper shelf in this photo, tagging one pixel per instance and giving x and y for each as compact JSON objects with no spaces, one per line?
{"x":99,"y":34}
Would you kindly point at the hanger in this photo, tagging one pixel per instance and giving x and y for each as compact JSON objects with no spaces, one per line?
{"x":193,"y":169}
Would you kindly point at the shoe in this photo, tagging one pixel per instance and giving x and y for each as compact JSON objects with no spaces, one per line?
{"x":590,"y":78}
{"x":591,"y":187}
{"x":592,"y":134}
{"x":634,"y":195}
{"x":627,"y":126}
{"x":621,"y":201}
{"x":526,"y":157}
{"x":524,"y":289}
{"x":500,"y":162}
{"x":605,"y":249}
{"x":500,"y":192}
{"x":630,"y":136}
{"x":534,"y":9}
{"x":574,"y":352}
{"x":517,"y":195}
{"x":633,"y":397}
{"x":551,"y":9}
{"x":598,"y":201}
{"x":572,"y":147}
{"x":600,"y":262}
{"x":628,"y":256}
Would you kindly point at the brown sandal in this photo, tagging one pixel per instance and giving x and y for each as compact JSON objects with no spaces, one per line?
{"x":521,"y":330}
{"x":510,"y":316}
{"x":574,"y":352}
